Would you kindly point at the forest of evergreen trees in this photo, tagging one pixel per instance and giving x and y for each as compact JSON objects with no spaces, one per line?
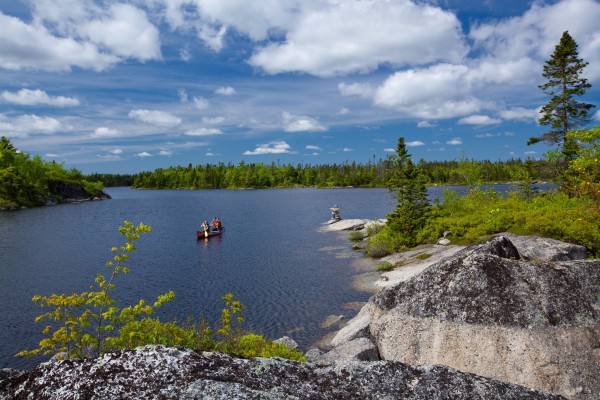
{"x":255,"y":175}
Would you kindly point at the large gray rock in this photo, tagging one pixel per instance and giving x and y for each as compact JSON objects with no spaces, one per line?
{"x":545,"y":249}
{"x":488,"y":311}
{"x":359,"y":349}
{"x":358,"y":327}
{"x":157,"y":372}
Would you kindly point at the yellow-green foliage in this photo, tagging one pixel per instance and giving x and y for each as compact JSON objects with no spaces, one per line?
{"x":82,"y":324}
{"x":252,"y":345}
{"x":480,"y":214}
{"x":582,"y":178}
{"x":153,"y":331}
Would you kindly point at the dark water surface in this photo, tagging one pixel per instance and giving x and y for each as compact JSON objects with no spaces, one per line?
{"x":271,"y":256}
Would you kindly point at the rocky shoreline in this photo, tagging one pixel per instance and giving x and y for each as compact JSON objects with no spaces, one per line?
{"x":512,"y":317}
{"x":64,"y":192}
{"x":520,"y":309}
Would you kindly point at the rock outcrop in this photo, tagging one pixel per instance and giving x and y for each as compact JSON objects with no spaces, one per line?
{"x":499,"y":310}
{"x":157,"y":372}
{"x":65,"y":192}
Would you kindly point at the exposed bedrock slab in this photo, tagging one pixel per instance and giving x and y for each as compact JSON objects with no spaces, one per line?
{"x":488,"y":311}
{"x":157,"y":372}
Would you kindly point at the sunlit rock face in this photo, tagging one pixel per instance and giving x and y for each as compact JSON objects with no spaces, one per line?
{"x":492,"y":311}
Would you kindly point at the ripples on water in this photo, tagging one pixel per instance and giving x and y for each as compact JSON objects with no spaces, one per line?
{"x":271,"y":256}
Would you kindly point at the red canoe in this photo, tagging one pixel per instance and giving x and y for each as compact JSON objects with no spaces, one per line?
{"x":202,"y":234}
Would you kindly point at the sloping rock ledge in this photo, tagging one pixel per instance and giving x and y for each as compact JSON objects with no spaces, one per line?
{"x":158,"y":372}
{"x":520,"y":309}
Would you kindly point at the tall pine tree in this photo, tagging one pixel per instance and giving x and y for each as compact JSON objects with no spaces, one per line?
{"x":563,"y":113}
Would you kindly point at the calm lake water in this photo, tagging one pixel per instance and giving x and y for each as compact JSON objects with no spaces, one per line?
{"x":272,"y":257}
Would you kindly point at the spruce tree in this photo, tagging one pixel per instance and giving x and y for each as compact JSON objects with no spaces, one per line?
{"x":412,"y":209}
{"x":563,"y":113}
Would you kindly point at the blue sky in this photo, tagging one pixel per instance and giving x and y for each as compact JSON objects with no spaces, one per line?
{"x":127,"y":86}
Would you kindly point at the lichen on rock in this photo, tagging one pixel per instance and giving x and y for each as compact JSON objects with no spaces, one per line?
{"x":158,"y":372}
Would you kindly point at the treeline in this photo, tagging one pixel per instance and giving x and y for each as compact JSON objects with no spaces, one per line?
{"x":112,"y":180}
{"x":371,"y":174}
{"x":29,"y":181}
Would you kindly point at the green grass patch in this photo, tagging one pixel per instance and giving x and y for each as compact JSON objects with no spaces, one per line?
{"x":482,"y":214}
{"x":423,"y":256}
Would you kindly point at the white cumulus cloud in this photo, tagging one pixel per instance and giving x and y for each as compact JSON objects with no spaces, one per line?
{"x":155,"y":117}
{"x":363,"y":90}
{"x":454,"y":142}
{"x":415,"y":143}
{"x":24,"y":125}
{"x":28,"y":97}
{"x":213,"y":120}
{"x":340,"y":37}
{"x":106,"y":132}
{"x":301,"y":123}
{"x":203,"y":132}
{"x":478,"y":120}
{"x":436,"y":92}
{"x":520,"y":114}
{"x":225,"y":91}
{"x":426,"y":124}
{"x":277,"y":147}
{"x":201,"y":103}
{"x":126,"y":31}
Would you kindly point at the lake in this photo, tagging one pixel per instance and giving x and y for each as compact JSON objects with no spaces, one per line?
{"x":271,"y":256}
{"x":290,"y":276}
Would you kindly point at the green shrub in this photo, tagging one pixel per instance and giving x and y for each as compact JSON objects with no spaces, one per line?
{"x":356,"y":236}
{"x":380,"y":245}
{"x":480,"y":214}
{"x":374,"y":229}
{"x":87,"y":322}
{"x":385,"y":266}
{"x":252,"y":345}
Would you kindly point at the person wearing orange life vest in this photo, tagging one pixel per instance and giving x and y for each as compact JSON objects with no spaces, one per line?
{"x":216,"y":223}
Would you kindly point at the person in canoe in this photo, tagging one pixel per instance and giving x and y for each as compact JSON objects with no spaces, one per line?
{"x":205,"y":227}
{"x":216,"y":223}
